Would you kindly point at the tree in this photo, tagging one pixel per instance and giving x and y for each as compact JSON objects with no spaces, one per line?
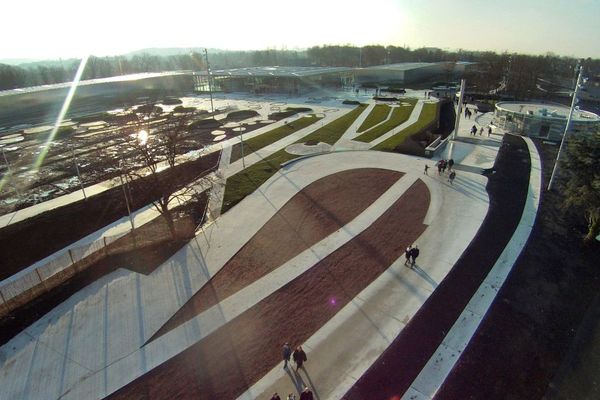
{"x":158,"y":148}
{"x":583,"y":186}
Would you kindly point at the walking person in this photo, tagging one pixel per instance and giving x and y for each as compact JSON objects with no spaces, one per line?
{"x":306,"y":394}
{"x":481,"y":131}
{"x":414,"y":253}
{"x":489,"y":131}
{"x":450,"y":164}
{"x":439,"y":165}
{"x":299,"y":357}
{"x":407,"y":254}
{"x":426,"y":168}
{"x":444,"y":164}
{"x":291,"y":396}
{"x":275,"y":397}
{"x":451,"y":177}
{"x":286,"y":353}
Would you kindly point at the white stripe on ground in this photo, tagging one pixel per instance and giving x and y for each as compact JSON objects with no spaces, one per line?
{"x":439,"y":366}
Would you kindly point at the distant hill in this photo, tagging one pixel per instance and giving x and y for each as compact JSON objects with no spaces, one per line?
{"x":17,"y":61}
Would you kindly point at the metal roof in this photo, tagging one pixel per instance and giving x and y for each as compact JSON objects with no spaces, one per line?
{"x":279,"y":71}
{"x":546,"y":111}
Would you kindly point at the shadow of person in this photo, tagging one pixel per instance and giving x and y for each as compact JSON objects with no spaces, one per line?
{"x":421,"y":272}
{"x":296,"y":379}
{"x":311,"y":385}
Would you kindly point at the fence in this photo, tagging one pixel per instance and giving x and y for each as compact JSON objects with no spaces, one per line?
{"x":50,"y":272}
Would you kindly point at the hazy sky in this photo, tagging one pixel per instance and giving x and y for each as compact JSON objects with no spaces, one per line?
{"x":64,"y":28}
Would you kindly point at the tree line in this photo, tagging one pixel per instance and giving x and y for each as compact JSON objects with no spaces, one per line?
{"x":519,"y":72}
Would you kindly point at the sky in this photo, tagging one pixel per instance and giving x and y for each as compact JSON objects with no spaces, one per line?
{"x":43,"y":29}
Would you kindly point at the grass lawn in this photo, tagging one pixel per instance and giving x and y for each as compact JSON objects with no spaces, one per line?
{"x":427,"y":117}
{"x":377,"y":115}
{"x":247,"y":181}
{"x":267,"y":138}
{"x":399,"y":116}
{"x":334,"y":130}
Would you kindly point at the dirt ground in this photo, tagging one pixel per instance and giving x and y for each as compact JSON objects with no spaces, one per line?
{"x":305,"y":220}
{"x":227,"y":362}
{"x":392,"y":374}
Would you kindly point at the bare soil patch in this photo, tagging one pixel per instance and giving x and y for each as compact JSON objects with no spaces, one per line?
{"x":311,"y":215}
{"x":227,"y":362}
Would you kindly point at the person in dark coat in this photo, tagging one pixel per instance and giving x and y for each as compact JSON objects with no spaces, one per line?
{"x":306,"y":394}
{"x":414,"y":253}
{"x":299,"y":357}
{"x":275,"y":397}
{"x":407,"y":255}
{"x":451,"y":177}
{"x":286,"y":353}
{"x":450,"y":164}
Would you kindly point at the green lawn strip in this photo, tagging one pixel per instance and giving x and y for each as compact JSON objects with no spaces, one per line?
{"x":399,"y":116}
{"x":428,"y":116}
{"x":378,"y":114}
{"x":333,"y":131}
{"x":247,"y":181}
{"x":267,"y":138}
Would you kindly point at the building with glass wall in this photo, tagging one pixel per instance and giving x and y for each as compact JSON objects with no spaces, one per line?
{"x":545,"y":121}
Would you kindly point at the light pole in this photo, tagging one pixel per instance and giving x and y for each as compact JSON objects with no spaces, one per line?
{"x":125,"y":194}
{"x":578,"y":85}
{"x":78,"y":173}
{"x":209,"y":75}
{"x":241,"y":128}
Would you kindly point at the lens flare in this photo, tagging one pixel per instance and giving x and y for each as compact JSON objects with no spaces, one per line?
{"x":61,"y":115}
{"x":142,"y":137}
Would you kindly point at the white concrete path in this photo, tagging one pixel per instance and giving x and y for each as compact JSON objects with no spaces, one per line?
{"x":447,"y":355}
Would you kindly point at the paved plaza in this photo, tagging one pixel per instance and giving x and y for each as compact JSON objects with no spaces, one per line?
{"x":96,"y":342}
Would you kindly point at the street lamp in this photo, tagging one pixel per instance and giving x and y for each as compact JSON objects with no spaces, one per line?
{"x":241,"y":128}
{"x":125,"y":194}
{"x":578,"y":86}
{"x":78,"y":173}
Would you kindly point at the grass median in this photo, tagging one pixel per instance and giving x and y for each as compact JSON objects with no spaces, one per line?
{"x":377,"y":115}
{"x":426,"y":118}
{"x":272,"y":136}
{"x":247,"y":181}
{"x":399,"y":116}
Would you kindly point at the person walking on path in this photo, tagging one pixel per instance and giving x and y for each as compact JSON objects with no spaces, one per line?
{"x":439,"y":165}
{"x":275,"y":397}
{"x":299,"y":357}
{"x":414,"y":253}
{"x":286,"y":353}
{"x":426,"y":168}
{"x":407,"y":254}
{"x":451,"y":177}
{"x":291,"y":396}
{"x":450,"y":164}
{"x":306,"y":394}
{"x":444,"y":164}
{"x":489,"y":131}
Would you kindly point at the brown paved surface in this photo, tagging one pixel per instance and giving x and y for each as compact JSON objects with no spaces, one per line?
{"x":314,"y":213}
{"x":227,"y":362}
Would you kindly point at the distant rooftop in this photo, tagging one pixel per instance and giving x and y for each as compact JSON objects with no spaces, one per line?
{"x":551,"y":111}
{"x":279,"y":71}
{"x":402,"y":66}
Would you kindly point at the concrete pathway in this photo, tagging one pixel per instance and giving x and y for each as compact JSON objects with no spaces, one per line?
{"x":91,"y":345}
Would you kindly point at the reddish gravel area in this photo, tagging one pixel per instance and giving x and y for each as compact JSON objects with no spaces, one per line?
{"x":311,"y":215}
{"x":227,"y":362}
{"x":392,"y":374}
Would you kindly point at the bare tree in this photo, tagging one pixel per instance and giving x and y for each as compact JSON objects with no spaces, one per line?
{"x":157,"y":139}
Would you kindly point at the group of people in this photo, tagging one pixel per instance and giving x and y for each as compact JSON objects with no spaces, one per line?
{"x":474,"y":130}
{"x":441,"y":166}
{"x":305,"y":395}
{"x":299,"y":357}
{"x":411,"y":253}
